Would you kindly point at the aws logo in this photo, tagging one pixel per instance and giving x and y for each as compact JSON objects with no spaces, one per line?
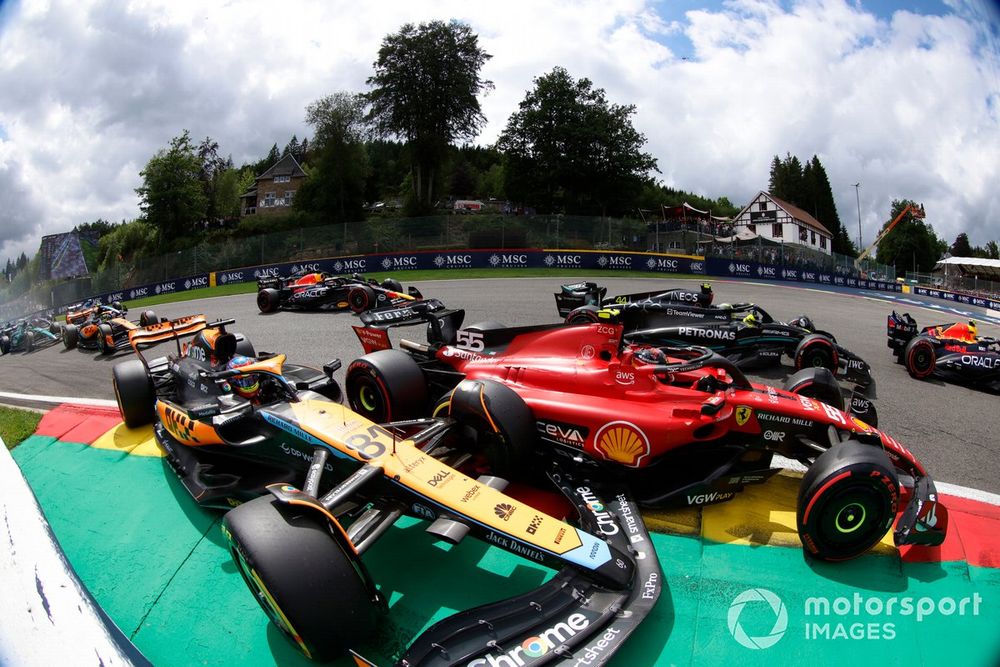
{"x":622,"y":442}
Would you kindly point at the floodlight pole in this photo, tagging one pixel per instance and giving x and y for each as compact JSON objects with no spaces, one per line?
{"x":857,"y":196}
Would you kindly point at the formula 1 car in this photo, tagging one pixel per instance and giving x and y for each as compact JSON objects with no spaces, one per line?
{"x":28,"y":334}
{"x":321,"y":291}
{"x":316,"y":485}
{"x":950,"y":351}
{"x":744,"y":333}
{"x":677,"y":425}
{"x":576,"y":295}
{"x":102,"y":327}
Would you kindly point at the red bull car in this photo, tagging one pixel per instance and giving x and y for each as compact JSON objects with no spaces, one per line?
{"x":315,"y":485}
{"x":321,"y":291}
{"x":952,"y":351}
{"x":102,"y":327}
{"x":677,"y":425}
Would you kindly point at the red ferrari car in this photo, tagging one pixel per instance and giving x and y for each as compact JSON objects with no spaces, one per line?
{"x":678,"y":425}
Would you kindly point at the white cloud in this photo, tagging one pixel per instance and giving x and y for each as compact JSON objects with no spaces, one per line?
{"x":907,"y":104}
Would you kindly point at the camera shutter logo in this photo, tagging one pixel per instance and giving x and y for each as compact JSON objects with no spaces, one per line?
{"x":780,"y":618}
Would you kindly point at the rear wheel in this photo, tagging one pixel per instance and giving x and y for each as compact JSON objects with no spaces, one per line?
{"x":70,"y":336}
{"x":920,"y":358}
{"x":104,"y":334}
{"x":306,"y":577}
{"x":815,"y":351}
{"x":847,"y":501}
{"x":244,"y":346}
{"x":583,"y":315}
{"x":817,"y":383}
{"x":268,"y":300}
{"x":4,"y":344}
{"x":386,"y":385}
{"x":501,"y":421}
{"x":361,"y":298}
{"x":134,"y":392}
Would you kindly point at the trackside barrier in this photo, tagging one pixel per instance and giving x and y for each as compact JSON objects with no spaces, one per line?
{"x":48,"y":617}
{"x":529,"y":258}
{"x":958,"y":297}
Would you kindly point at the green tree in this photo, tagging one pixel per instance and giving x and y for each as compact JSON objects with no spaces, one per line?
{"x":568,"y":149}
{"x":425,"y":91}
{"x":171,"y":196}
{"x":335,"y":188}
{"x":912,"y":244}
{"x":787,"y":181}
{"x":961,"y":247}
{"x":992,"y":250}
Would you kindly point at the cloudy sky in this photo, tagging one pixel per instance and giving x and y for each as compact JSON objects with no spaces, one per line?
{"x":903,"y":97}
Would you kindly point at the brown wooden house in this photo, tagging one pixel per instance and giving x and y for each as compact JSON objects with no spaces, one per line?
{"x":274,"y":190}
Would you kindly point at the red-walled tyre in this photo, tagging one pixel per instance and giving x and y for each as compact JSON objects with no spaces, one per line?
{"x":386,"y":385}
{"x":361,"y":298}
{"x":847,"y":501}
{"x":920,"y":358}
{"x":816,"y":351}
{"x":583,"y":315}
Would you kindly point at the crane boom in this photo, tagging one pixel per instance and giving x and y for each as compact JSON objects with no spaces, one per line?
{"x":918,"y":212}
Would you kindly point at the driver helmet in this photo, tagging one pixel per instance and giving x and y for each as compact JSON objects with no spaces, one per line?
{"x":972,"y":330}
{"x":247,"y":386}
{"x":804,"y":322}
{"x":751,"y":320}
{"x":651,"y":355}
{"x":107,"y":315}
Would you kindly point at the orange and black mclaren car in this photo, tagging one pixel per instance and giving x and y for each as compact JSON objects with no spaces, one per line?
{"x":102,"y":327}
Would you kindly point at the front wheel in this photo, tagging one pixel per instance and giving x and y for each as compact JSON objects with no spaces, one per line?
{"x":847,"y":501}
{"x":920,"y":358}
{"x":502,"y":424}
{"x":4,"y":344}
{"x":307,"y":578}
{"x":70,"y":336}
{"x":29,"y":341}
{"x":105,"y":342}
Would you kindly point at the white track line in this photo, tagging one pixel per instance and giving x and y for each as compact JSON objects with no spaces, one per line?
{"x":95,"y":402}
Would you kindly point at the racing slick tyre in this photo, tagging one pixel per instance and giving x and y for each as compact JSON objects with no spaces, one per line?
{"x":268,"y":300}
{"x":147,"y":317}
{"x":501,"y":420}
{"x":815,"y":351}
{"x":117,"y":305}
{"x":306,"y":577}
{"x":70,"y":336}
{"x":104,"y":332}
{"x":55,"y":328}
{"x":392,"y":284}
{"x":29,"y":341}
{"x":134,"y":392}
{"x":847,"y":501}
{"x":4,"y":344}
{"x":488,"y":325}
{"x":583,"y":315}
{"x":386,"y":385}
{"x":817,"y":383}
{"x":361,"y":298}
{"x":920,"y":358}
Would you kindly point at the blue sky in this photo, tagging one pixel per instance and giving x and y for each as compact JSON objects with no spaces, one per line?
{"x":901,"y":97}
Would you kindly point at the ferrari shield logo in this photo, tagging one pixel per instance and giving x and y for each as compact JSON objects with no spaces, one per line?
{"x":743,"y":413}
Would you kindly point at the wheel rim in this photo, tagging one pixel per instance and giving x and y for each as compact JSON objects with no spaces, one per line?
{"x":850,"y":518}
{"x":368,"y":398}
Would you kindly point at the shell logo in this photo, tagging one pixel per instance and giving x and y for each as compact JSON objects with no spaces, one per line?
{"x":622,"y":442}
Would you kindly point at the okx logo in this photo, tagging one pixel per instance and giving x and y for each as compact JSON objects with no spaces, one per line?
{"x":762,"y":608}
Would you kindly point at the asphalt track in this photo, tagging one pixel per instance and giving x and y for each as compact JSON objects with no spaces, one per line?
{"x":952,"y":429}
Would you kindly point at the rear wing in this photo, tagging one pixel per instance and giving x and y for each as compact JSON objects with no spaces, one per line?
{"x":702,"y":298}
{"x":141,"y":338}
{"x":442,"y":323}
